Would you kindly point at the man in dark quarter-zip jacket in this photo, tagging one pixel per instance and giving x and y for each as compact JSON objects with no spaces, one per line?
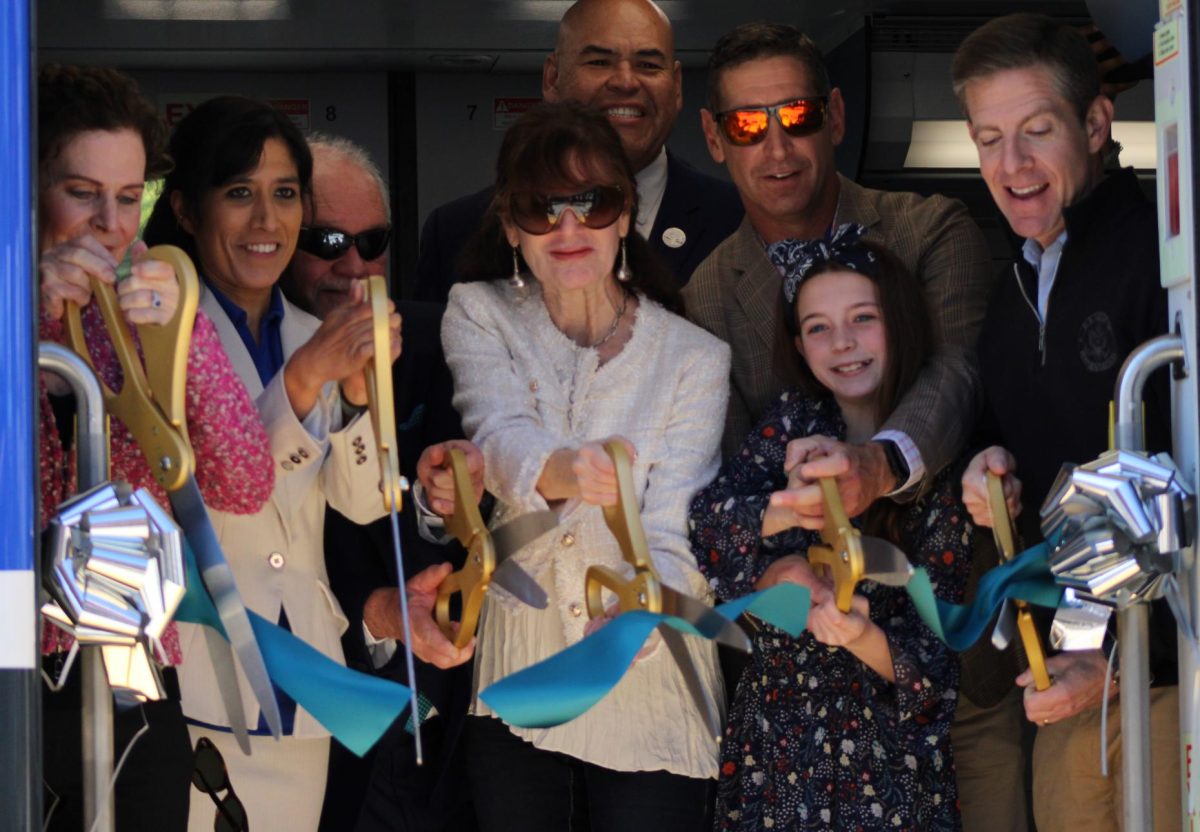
{"x":1081,"y":295}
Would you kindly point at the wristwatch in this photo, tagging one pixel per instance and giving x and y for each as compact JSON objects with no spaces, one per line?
{"x":896,"y":462}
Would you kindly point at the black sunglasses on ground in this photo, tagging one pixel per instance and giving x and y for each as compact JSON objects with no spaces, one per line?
{"x":332,"y":243}
{"x":748,"y":125}
{"x":596,"y":208}
{"x":210,"y":776}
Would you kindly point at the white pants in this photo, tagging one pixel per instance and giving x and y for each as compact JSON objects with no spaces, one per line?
{"x":282,"y":784}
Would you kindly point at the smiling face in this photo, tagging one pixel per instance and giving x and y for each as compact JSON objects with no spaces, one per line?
{"x":346,"y":198}
{"x":842,"y":337}
{"x":618,"y":56}
{"x":788,"y":184}
{"x":1035,"y":154}
{"x":94,"y":186}
{"x":247,"y":227}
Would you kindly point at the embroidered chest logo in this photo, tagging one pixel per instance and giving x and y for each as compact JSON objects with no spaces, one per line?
{"x":1097,"y":342}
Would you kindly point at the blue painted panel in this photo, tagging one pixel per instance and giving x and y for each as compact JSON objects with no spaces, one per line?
{"x":17,"y":293}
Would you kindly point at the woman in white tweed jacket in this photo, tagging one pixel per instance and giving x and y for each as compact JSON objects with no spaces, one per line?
{"x":546,"y":366}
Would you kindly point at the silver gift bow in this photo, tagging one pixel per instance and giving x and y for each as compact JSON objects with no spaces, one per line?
{"x":1120,"y":523}
{"x":115,"y":571}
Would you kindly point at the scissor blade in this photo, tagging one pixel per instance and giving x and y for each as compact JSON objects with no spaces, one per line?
{"x":218,"y":578}
{"x":703,"y":618}
{"x":884,"y":562}
{"x":519,"y":532}
{"x":520,"y":584}
{"x":673,"y":639}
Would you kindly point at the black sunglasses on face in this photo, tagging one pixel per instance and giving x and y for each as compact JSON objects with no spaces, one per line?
{"x":748,"y":125}
{"x":210,"y":776}
{"x":332,"y":243}
{"x":596,"y":208}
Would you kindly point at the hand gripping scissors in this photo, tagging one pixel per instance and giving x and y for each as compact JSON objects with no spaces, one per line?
{"x":151,"y":404}
{"x":646,"y":591}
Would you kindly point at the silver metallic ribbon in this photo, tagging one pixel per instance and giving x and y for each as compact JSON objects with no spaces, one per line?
{"x":115,"y":571}
{"x":1120,"y":523}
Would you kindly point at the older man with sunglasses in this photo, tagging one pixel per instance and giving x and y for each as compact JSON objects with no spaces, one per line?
{"x":345,"y":235}
{"x":617,"y":56}
{"x":774,"y":120}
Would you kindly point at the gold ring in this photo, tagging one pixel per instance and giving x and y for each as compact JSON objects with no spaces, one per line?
{"x":1045,"y":722}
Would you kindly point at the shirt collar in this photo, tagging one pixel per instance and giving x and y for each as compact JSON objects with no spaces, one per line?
{"x":238,"y":315}
{"x":651,"y":184}
{"x":1033,"y":252}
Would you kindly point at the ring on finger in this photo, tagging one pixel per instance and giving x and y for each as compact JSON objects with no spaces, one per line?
{"x":155,"y":299}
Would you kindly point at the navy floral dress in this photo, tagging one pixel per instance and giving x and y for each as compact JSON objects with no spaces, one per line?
{"x":816,"y":739}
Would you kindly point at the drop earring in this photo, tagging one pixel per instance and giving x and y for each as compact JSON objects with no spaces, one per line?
{"x":623,"y":273}
{"x":516,"y":281}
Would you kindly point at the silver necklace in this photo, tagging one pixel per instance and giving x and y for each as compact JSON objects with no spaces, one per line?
{"x":612,"y":330}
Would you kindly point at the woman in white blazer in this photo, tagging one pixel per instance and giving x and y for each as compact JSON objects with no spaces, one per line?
{"x":233,"y":201}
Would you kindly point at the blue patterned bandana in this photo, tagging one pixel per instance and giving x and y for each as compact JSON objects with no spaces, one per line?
{"x":796,"y":258}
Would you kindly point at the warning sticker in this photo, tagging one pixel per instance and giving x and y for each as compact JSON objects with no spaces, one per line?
{"x":506,"y":110}
{"x":1166,"y":42}
{"x":174,"y":106}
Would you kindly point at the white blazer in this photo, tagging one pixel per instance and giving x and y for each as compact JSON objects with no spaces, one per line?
{"x":278,"y":555}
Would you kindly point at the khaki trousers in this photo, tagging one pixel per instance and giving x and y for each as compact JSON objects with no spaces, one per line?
{"x":989,"y":762}
{"x":1069,"y":792}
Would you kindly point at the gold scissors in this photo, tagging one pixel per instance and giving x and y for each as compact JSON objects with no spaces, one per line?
{"x":1002,"y":531}
{"x":487,"y":556}
{"x":151,"y":404}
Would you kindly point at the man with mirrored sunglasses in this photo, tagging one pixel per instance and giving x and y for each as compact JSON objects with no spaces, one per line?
{"x":774,"y":120}
{"x":345,"y":238}
{"x":617,"y":56}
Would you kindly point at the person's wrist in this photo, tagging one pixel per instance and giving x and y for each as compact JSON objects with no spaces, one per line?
{"x":896,"y":466}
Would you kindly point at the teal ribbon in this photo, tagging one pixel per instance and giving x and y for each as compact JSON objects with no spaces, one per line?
{"x":1026,"y":577}
{"x":354,"y":707}
{"x":567,"y":684}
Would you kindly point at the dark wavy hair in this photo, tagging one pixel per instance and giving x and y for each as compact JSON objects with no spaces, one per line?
{"x":757,"y":41}
{"x":76,"y":99}
{"x":544,"y":151}
{"x":907,"y":326}
{"x":221,"y":139}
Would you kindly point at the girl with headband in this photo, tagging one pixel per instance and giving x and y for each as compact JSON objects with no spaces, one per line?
{"x":847,"y":726}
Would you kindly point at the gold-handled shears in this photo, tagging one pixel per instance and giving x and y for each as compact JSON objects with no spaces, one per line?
{"x":646,"y":591}
{"x":382,"y":405}
{"x":487,"y":556}
{"x":152,"y":405}
{"x":848,"y":556}
{"x":1002,"y":531}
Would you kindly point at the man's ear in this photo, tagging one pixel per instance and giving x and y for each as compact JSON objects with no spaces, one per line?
{"x":837,"y":116}
{"x":678,"y":73}
{"x":179,"y":209}
{"x":550,"y":77}
{"x":712,"y":139}
{"x":1098,"y":123}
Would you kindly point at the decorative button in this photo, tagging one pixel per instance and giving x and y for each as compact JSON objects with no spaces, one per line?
{"x":576,"y":610}
{"x":295,"y":459}
{"x":287,"y":466}
{"x":276,"y":560}
{"x":360,"y":460}
{"x":533,"y":386}
{"x":568,"y":539}
{"x":303,"y":453}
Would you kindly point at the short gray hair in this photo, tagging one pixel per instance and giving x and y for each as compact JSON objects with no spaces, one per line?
{"x":355,"y":154}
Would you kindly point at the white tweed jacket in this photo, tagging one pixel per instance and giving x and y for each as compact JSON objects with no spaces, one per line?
{"x":525,"y":390}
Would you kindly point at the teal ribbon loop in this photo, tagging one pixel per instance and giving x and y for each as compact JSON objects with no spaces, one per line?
{"x":567,"y":684}
{"x":1026,"y":577}
{"x":354,"y":707}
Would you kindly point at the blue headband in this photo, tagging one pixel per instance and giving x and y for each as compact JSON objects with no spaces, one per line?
{"x":842,"y":245}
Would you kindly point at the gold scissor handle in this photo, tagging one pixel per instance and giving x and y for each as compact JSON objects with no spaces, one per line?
{"x":151,"y":401}
{"x":1002,"y":528}
{"x":841,"y":557}
{"x":641,"y":592}
{"x":380,"y":400}
{"x":467,"y":525}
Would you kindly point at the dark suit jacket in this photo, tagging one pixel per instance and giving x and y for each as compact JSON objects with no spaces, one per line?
{"x":705,"y":209}
{"x":392,"y":791}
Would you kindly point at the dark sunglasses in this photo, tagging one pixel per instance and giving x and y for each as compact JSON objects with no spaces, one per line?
{"x":332,"y":243}
{"x":748,"y":125}
{"x":210,"y":776}
{"x":596,"y":208}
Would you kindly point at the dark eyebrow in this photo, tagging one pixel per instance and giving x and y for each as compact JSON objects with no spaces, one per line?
{"x":595,"y":50}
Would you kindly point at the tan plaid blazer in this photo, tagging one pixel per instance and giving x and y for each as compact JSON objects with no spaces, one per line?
{"x":736,"y":295}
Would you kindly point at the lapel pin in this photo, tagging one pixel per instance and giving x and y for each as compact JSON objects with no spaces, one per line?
{"x":674,"y":237}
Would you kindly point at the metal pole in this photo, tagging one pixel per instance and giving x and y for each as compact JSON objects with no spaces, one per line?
{"x":1134,"y":623}
{"x":20,"y":691}
{"x":97,"y":716}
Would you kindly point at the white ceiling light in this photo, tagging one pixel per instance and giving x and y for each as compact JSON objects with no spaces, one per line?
{"x":197,"y":9}
{"x":945,"y":145}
